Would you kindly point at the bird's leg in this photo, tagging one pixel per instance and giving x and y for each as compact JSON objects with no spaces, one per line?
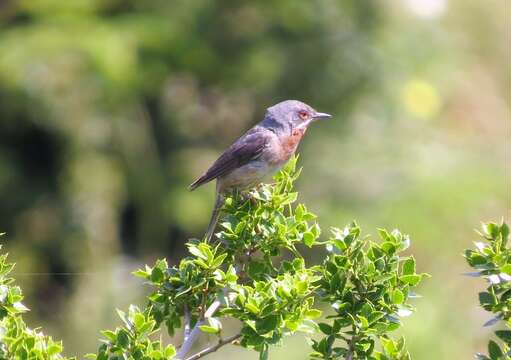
{"x":246,"y":196}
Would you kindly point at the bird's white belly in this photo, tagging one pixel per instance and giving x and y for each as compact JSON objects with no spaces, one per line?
{"x":247,"y":175}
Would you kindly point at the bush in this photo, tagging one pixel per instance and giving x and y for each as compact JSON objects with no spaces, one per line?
{"x":255,"y":273}
{"x":491,"y":259}
{"x":17,"y":341}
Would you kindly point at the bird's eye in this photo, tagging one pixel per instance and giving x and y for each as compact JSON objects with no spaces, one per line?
{"x":303,"y":114}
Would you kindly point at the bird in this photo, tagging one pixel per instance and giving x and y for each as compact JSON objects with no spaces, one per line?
{"x":258,"y":153}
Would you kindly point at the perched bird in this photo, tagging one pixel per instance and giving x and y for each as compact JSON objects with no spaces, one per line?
{"x":260,"y":152}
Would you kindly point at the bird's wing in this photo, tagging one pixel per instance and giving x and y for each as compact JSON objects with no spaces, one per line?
{"x":248,"y":147}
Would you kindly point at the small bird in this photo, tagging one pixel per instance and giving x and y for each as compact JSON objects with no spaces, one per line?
{"x":260,"y":152}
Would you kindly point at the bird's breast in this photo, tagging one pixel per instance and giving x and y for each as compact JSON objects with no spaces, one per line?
{"x":289,"y":143}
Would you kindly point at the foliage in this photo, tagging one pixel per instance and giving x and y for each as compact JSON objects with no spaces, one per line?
{"x":368,"y":285}
{"x":17,"y":341}
{"x":255,"y":273}
{"x":259,"y":277}
{"x":133,"y":339}
{"x":491,"y":259}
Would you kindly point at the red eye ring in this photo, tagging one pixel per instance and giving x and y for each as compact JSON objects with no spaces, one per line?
{"x":303,"y":114}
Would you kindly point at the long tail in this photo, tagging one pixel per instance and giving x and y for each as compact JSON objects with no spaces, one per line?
{"x":219,"y":202}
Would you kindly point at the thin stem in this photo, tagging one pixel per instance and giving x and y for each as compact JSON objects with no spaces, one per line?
{"x":194,"y":334}
{"x":351,"y":346}
{"x":221,"y":342}
{"x":349,"y":355}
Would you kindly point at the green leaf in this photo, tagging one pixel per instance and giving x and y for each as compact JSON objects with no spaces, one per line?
{"x":474,"y":259}
{"x":19,"y":307}
{"x":256,"y":269}
{"x":325,"y":328}
{"x":494,"y":350}
{"x":409,"y":266}
{"x":504,"y":230}
{"x":123,"y":339}
{"x":263,"y":354}
{"x":215,"y":323}
{"x":141,"y":274}
{"x":157,"y":275}
{"x":217,"y":262}
{"x":138,"y":320}
{"x":309,"y":239}
{"x":313,"y":313}
{"x":486,"y":298}
{"x":506,"y":269}
{"x":389,"y":247}
{"x":411,"y":279}
{"x":492,"y":230}
{"x":504,"y":335}
{"x":299,"y":211}
{"x":194,"y":250}
{"x":252,"y":308}
{"x":209,"y":329}
{"x":302,"y":287}
{"x":54,"y":349}
{"x":206,"y":250}
{"x":397,"y":297}
{"x":267,"y":324}
{"x":291,"y":325}
{"x":384,"y":234}
{"x":364,"y":323}
{"x":122,"y":315}
{"x":308,"y":326}
{"x":170,"y":351}
{"x":110,"y":335}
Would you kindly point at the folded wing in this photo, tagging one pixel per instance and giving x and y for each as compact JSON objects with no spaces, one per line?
{"x":247,"y":148}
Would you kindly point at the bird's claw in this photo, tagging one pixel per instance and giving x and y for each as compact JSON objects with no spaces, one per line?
{"x":248,"y":196}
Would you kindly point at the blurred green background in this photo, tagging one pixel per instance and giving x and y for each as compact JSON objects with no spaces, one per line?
{"x":110,"y":108}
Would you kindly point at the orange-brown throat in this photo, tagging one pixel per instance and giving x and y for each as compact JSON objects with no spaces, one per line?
{"x":290,"y":143}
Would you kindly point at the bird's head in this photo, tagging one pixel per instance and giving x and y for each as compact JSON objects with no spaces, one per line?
{"x":294,"y":114}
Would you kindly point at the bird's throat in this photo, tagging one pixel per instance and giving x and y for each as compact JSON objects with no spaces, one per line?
{"x":290,"y":143}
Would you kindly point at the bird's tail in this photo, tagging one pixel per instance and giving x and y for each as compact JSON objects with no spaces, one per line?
{"x":219,"y":202}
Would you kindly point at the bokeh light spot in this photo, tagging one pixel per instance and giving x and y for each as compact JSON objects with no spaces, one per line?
{"x":420,"y":98}
{"x":428,"y":9}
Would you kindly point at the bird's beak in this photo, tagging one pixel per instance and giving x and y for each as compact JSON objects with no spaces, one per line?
{"x":319,"y":115}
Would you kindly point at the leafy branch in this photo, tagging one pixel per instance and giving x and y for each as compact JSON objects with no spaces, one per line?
{"x":17,"y":340}
{"x":491,"y":260}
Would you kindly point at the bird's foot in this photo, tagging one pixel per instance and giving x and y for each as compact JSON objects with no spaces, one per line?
{"x":247,"y":196}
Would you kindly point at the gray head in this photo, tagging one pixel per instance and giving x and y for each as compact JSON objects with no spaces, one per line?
{"x":292,"y":114}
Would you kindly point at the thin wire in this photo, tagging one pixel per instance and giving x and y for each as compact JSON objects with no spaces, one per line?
{"x":58,"y":274}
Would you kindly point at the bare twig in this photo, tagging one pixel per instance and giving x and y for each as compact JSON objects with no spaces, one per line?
{"x":351,"y":347}
{"x":221,"y":342}
{"x":192,"y":337}
{"x":349,"y":355}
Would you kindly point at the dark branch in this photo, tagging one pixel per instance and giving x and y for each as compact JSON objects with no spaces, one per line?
{"x":194,"y":334}
{"x":187,"y":323}
{"x":214,"y":348}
